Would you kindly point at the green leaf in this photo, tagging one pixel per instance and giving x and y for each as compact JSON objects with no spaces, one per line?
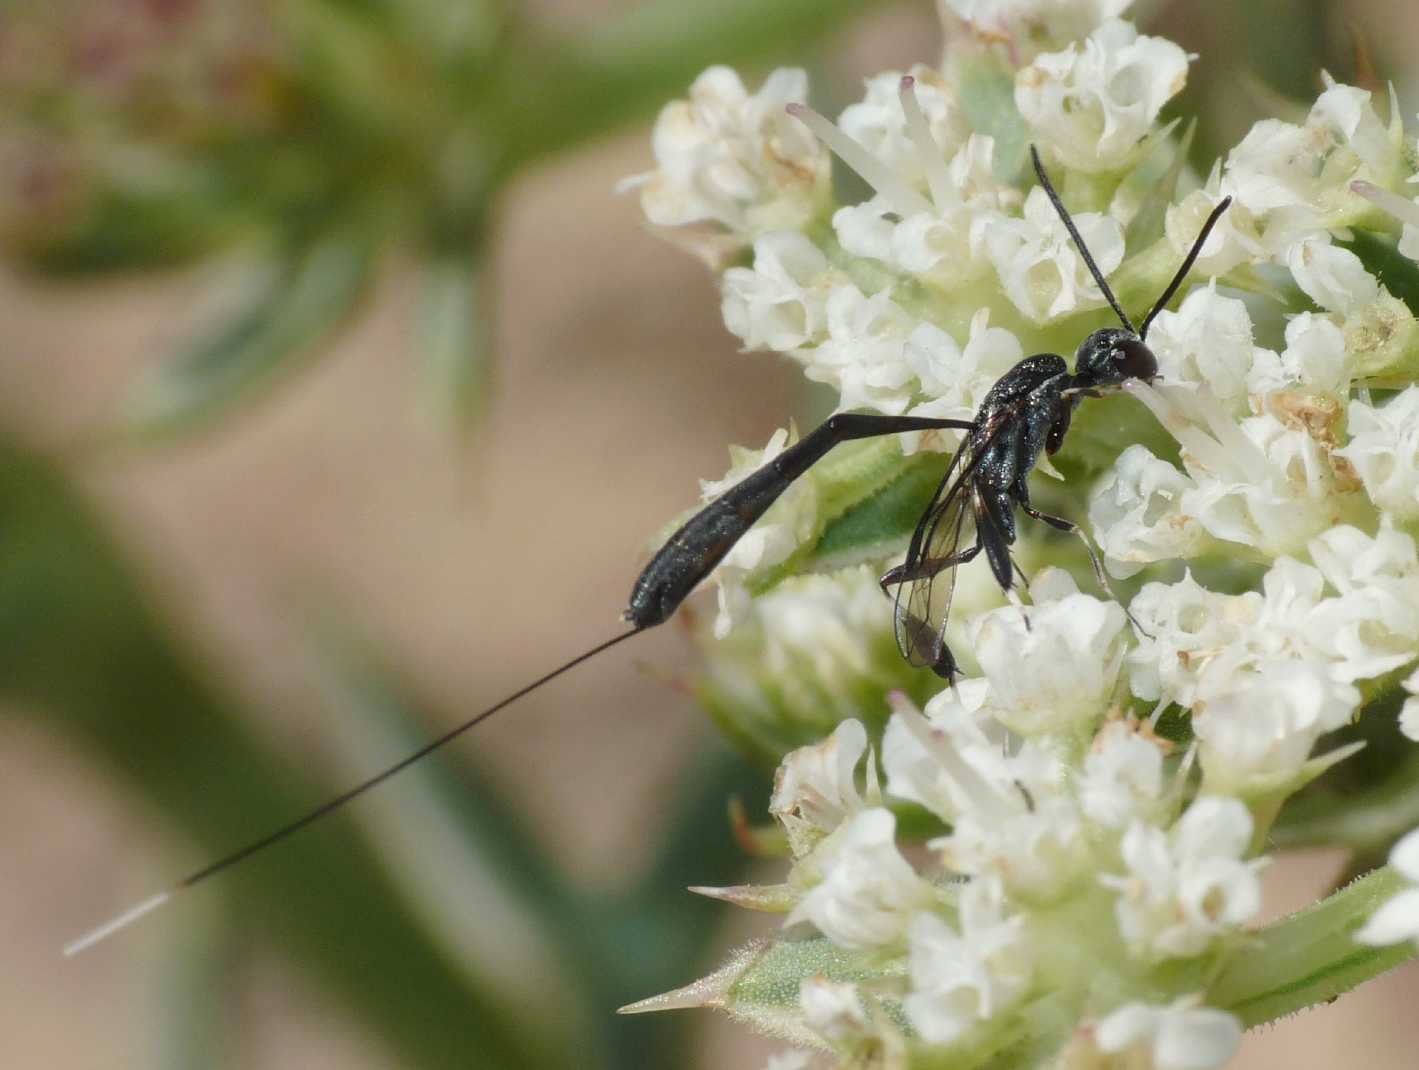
{"x":452,"y":34}
{"x":124,"y":228}
{"x":657,"y":933}
{"x":298,"y":303}
{"x":585,"y":955}
{"x":470,"y":846}
{"x":885,"y":518}
{"x":872,"y":498}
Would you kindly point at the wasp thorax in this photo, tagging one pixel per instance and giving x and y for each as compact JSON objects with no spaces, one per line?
{"x":1112,"y":355}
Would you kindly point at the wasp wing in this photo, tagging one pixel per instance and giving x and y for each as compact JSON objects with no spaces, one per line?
{"x":934,"y":549}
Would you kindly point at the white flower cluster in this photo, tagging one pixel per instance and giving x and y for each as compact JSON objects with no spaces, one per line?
{"x":940,"y":214}
{"x":1049,"y":800}
{"x":1101,"y":792}
{"x":732,"y":162}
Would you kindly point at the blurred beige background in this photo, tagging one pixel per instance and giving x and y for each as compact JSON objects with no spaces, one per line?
{"x":476,"y":567}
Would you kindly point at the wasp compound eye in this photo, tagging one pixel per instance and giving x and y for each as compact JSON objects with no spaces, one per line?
{"x":1133,"y":359}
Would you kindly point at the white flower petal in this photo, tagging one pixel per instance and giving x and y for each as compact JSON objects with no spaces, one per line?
{"x":1332,"y":277}
{"x":815,"y":789}
{"x":1181,"y":1036}
{"x":959,"y":978}
{"x":1094,"y":103}
{"x":1073,"y":647}
{"x":832,"y":1009}
{"x":1396,"y":920}
{"x":738,"y":160}
{"x":1384,"y":449}
{"x":1404,"y":856}
{"x":869,"y":892}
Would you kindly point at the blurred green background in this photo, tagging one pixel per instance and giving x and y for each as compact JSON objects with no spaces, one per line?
{"x":339,"y":396}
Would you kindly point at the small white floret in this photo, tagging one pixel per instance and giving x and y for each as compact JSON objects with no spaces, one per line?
{"x":1073,"y":646}
{"x":1180,"y":1036}
{"x":869,"y":892}
{"x":779,"y":303}
{"x":832,"y":1009}
{"x":735,"y":159}
{"x":1122,"y":778}
{"x":791,"y":1059}
{"x":1332,"y":277}
{"x":815,"y":789}
{"x":1037,"y":262}
{"x":1187,"y":887}
{"x":1136,"y":511}
{"x":1094,"y":103}
{"x":1208,"y":340}
{"x":1384,"y":448}
{"x":962,"y":977}
{"x":1026,"y":22}
{"x":1409,"y":712}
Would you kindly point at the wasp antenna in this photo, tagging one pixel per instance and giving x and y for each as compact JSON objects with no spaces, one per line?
{"x":1079,"y":241}
{"x":147,"y":906}
{"x":1188,"y":261}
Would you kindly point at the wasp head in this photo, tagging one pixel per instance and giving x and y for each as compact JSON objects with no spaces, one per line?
{"x":1111,"y":355}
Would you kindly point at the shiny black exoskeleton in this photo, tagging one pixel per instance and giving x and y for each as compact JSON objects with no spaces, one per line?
{"x":1029,"y":410}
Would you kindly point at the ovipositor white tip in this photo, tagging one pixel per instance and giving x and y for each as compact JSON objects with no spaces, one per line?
{"x":108,"y":928}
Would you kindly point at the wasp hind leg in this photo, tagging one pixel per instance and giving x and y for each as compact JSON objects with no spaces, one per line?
{"x":1071,"y":528}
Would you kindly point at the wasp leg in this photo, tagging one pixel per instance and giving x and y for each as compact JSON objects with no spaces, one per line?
{"x":1024,"y":580}
{"x":1013,"y":597}
{"x":899,"y":574}
{"x":996,"y":542}
{"x":1071,"y":528}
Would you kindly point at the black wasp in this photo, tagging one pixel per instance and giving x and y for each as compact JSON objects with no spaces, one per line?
{"x":1026,"y":411}
{"x":986,"y":480}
